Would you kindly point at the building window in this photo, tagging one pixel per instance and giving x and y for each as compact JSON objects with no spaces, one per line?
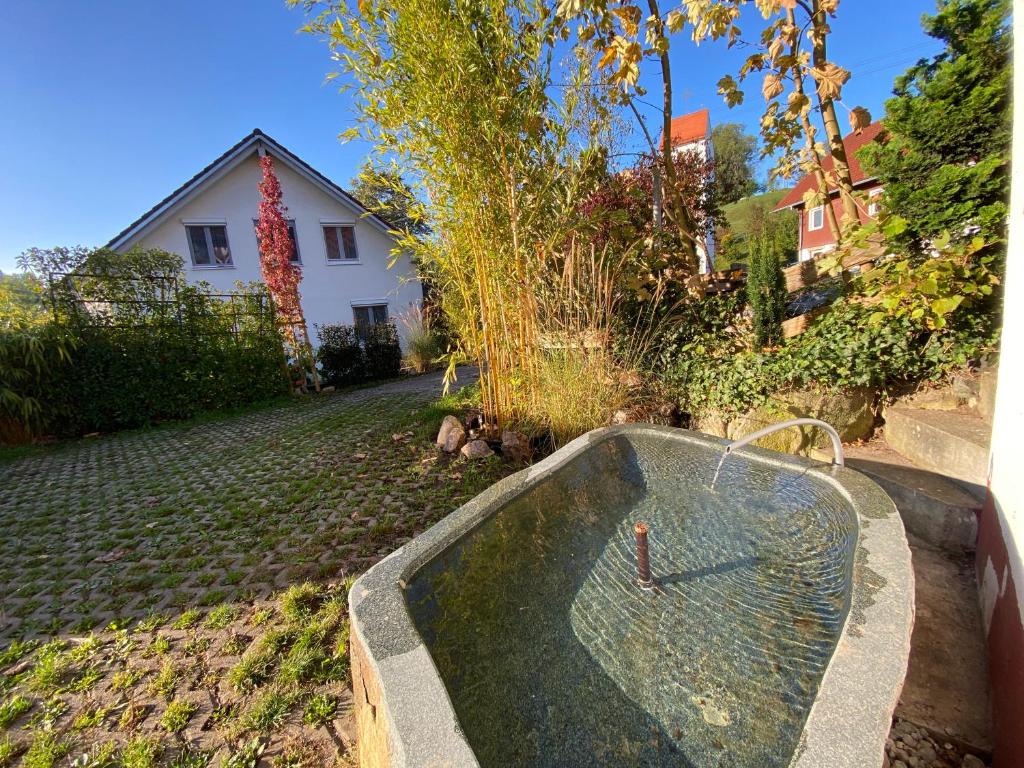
{"x":291,"y":235}
{"x":208,"y":244}
{"x":370,"y":314}
{"x":816,"y":218}
{"x":874,"y":201}
{"x":341,"y":243}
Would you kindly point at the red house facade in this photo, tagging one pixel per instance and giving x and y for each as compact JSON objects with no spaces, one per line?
{"x":816,"y":238}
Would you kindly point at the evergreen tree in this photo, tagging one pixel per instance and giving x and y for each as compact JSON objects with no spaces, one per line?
{"x":766,"y":290}
{"x":384,"y":192}
{"x":945,"y":163}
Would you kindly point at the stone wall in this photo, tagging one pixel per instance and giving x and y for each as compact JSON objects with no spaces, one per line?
{"x":851,"y":412}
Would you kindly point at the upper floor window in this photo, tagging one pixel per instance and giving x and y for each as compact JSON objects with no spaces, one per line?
{"x":208,"y":244}
{"x":874,"y":201}
{"x":291,"y":235}
{"x":816,"y":218}
{"x":341,"y":243}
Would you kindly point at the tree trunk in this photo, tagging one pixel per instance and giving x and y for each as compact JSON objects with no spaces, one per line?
{"x":677,"y":212}
{"x":809,"y":134}
{"x":840,"y":162}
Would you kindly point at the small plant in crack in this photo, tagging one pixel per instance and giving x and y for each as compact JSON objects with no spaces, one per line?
{"x":141,"y":752}
{"x":196,"y":645}
{"x":45,"y":751}
{"x":166,"y":680}
{"x":320,"y":709}
{"x":190,"y":757}
{"x":51,"y":665}
{"x":269,"y":711}
{"x":247,"y":755}
{"x":221,"y":616}
{"x":102,"y":755}
{"x":188,"y":619}
{"x":12,"y":709}
{"x":125,"y":679}
{"x":159,"y":646}
{"x":92,"y":716}
{"x":177,"y":716}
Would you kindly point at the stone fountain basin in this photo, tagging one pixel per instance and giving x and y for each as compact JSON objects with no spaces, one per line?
{"x":594,"y":671}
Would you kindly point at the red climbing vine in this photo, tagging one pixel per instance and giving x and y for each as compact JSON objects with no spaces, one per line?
{"x":280,"y":273}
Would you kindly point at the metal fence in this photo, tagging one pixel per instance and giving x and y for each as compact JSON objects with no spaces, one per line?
{"x":103,"y":300}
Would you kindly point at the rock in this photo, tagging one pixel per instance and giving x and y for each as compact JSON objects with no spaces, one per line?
{"x":933,"y":399}
{"x":624,"y":416}
{"x":476,"y":449}
{"x":850,"y":411}
{"x":454,"y":440}
{"x":515,"y":446}
{"x":987,"y":394}
{"x":631,"y":379}
{"x":964,"y":386}
{"x":449,"y":424}
{"x":327,"y":389}
{"x":970,"y":761}
{"x":711,"y":424}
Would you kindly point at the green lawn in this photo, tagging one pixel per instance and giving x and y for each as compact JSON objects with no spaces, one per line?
{"x":177,"y":596}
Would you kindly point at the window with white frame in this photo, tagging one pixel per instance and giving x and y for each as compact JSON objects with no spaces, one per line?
{"x":208,"y":245}
{"x":816,"y":218}
{"x":291,"y":236}
{"x":340,"y":241}
{"x":367,"y":315}
{"x":874,"y":201}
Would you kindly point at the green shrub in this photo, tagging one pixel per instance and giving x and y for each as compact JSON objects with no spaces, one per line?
{"x":351,"y":355}
{"x":847,"y":347}
{"x":340,"y":354}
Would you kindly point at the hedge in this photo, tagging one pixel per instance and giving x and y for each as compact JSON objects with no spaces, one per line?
{"x":353,"y":355}
{"x":101,"y":378}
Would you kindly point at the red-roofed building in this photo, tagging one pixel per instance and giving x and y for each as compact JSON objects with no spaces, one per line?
{"x":692,"y":133}
{"x":816,"y":237}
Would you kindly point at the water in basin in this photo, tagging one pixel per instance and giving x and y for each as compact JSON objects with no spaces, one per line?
{"x":552,"y":656}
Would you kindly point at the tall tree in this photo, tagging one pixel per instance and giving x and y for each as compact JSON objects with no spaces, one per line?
{"x":798,"y":81}
{"x":279,"y":272}
{"x":623,"y":35}
{"x":734,"y":162}
{"x":945,"y":164}
{"x":461,"y":95}
{"x":384,"y":192}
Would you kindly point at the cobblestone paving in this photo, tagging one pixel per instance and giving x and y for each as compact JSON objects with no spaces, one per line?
{"x":121,"y":526}
{"x":177,"y":596}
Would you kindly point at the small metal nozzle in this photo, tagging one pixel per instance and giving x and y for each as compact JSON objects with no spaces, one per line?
{"x":643,"y":557}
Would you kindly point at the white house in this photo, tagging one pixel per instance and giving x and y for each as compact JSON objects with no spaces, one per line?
{"x":343,"y":250}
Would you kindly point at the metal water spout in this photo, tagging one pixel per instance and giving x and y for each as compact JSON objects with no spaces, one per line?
{"x":837,"y":444}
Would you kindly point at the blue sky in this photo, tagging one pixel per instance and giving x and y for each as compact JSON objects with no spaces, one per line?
{"x":108,"y":105}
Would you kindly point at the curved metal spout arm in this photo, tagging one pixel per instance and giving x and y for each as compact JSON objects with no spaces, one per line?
{"x":837,"y":444}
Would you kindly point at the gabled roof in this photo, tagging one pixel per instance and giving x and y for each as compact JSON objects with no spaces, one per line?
{"x":228,"y":160}
{"x":691,"y":127}
{"x":852,"y":142}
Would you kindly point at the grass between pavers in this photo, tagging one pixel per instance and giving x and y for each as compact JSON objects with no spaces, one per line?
{"x":231,"y":647}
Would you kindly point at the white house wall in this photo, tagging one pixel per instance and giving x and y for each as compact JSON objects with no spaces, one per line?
{"x":329,"y":290}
